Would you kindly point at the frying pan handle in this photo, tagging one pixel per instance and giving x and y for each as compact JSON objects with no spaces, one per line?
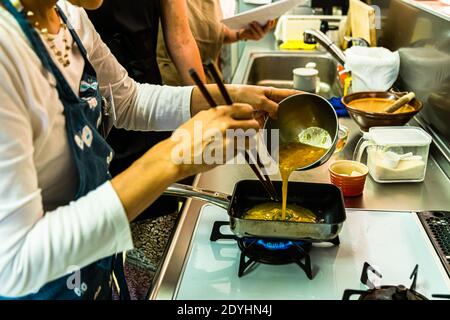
{"x":217,"y":198}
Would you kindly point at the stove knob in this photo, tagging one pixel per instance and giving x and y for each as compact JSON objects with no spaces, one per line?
{"x":401,"y":293}
{"x":401,"y":289}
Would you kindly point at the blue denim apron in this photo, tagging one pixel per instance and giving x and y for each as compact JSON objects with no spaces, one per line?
{"x":91,"y":154}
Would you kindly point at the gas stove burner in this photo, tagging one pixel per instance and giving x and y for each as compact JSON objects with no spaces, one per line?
{"x":386,"y":293}
{"x":274,"y":251}
{"x":269,"y":251}
{"x":276,"y":244}
{"x":399,"y":292}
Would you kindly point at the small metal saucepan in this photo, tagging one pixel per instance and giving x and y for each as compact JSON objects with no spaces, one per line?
{"x":301,"y":112}
{"x":324,"y":200}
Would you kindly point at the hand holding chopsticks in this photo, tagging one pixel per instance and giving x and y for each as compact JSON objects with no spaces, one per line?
{"x":265,"y":180}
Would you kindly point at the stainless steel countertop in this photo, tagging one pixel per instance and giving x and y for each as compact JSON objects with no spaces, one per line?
{"x":432,"y":194}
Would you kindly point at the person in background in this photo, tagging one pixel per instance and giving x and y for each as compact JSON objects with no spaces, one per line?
{"x":63,"y":218}
{"x":210,"y":34}
{"x":130,"y":29}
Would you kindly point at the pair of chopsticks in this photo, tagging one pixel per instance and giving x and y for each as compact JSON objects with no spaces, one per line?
{"x":211,"y":67}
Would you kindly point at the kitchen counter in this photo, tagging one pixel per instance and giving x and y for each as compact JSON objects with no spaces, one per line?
{"x":432,"y":194}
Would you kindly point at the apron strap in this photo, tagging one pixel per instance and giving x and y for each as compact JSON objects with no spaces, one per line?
{"x":74,"y":35}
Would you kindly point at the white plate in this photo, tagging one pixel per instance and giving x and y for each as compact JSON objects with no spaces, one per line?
{"x":261,"y":14}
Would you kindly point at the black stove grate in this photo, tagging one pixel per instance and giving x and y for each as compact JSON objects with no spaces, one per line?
{"x":385,"y":292}
{"x":437,"y":227}
{"x":275,"y":252}
{"x":269,"y":251}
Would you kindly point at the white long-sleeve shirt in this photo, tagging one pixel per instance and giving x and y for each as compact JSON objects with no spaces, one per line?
{"x":42,"y":232}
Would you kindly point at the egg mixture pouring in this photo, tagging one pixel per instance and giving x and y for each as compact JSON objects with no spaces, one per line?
{"x":312,"y":145}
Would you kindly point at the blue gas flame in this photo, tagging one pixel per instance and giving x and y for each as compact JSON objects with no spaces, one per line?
{"x":277,"y":244}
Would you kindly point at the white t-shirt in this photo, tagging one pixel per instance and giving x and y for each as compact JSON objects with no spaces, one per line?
{"x":42,"y":233}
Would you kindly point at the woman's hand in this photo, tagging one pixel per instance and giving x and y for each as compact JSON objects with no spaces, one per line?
{"x":264,"y":100}
{"x":209,"y":138}
{"x":254,"y":31}
{"x":197,"y":146}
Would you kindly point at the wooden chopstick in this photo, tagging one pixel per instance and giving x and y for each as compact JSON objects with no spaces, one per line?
{"x":210,"y":65}
{"x":268,"y":186}
{"x":201,"y":86}
{"x":265,"y":180}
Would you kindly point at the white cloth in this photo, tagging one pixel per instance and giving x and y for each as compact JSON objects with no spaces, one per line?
{"x":373,"y":68}
{"x":42,"y":232}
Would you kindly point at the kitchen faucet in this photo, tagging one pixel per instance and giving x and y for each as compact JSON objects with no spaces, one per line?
{"x":312,"y":36}
{"x":360,"y":42}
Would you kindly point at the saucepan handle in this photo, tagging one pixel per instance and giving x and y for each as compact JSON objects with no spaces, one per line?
{"x":217,"y":198}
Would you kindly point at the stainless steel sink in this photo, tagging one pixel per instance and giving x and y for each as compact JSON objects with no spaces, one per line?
{"x":275,"y":69}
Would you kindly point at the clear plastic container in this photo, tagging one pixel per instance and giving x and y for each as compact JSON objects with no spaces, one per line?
{"x":395,"y":154}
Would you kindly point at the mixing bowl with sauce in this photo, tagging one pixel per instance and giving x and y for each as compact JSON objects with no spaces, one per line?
{"x":377,"y":105}
{"x":364,"y":108}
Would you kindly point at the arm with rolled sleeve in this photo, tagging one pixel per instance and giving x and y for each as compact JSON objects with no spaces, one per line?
{"x":37,"y":247}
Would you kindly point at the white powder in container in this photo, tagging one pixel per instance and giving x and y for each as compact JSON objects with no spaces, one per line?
{"x":406,"y":169}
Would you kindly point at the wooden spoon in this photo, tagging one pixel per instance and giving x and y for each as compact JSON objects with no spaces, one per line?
{"x":400,"y":103}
